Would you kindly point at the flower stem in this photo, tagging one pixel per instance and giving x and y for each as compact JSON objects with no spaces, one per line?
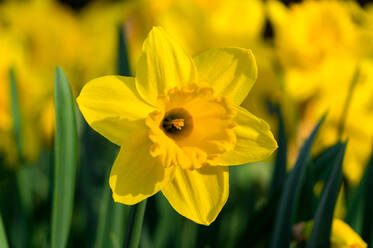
{"x":347,"y":103}
{"x":134,"y":226}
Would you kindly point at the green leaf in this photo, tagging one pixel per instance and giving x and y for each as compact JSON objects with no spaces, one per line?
{"x":111,"y":221}
{"x":359,"y":205}
{"x":323,"y":163}
{"x":3,"y":240}
{"x":348,"y":101}
{"x":317,"y":171}
{"x":262,"y":218}
{"x":23,"y":180}
{"x":307,"y":203}
{"x":367,"y":234}
{"x":320,"y":236}
{"x":279,"y":172}
{"x":290,"y":195}
{"x":66,"y":160}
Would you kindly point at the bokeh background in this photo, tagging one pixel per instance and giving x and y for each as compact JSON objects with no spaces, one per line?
{"x":313,"y":57}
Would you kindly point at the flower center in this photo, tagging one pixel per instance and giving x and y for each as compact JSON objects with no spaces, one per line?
{"x":192,"y":127}
{"x":177,"y":122}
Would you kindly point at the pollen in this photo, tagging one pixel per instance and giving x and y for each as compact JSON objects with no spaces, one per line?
{"x":177,"y":123}
{"x":174,"y":125}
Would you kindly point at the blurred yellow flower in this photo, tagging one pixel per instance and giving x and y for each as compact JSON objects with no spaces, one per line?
{"x":99,"y":54}
{"x":307,"y":36}
{"x":320,"y":45}
{"x":47,"y":35}
{"x":13,"y":57}
{"x":342,"y":235}
{"x":50,"y":34}
{"x":179,"y":125}
{"x":359,"y":133}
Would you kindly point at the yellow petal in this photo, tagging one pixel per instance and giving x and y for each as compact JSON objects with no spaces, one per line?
{"x":199,"y":194}
{"x":344,"y":236}
{"x":115,"y":129}
{"x":109,"y":104}
{"x":136,"y":175}
{"x":277,"y":12}
{"x":231,"y":72}
{"x":163,"y":65}
{"x":255,"y":140}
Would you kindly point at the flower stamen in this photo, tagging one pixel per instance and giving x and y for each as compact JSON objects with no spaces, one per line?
{"x":174,"y":125}
{"x":177,"y":121}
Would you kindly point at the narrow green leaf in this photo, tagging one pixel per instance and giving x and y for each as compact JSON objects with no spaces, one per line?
{"x":307,"y":203}
{"x":66,"y":159}
{"x":323,"y":163}
{"x":23,"y":180}
{"x":320,"y":236}
{"x":3,"y":240}
{"x":367,"y":234}
{"x":261,"y":219}
{"x":358,"y":203}
{"x":279,"y":172}
{"x":290,"y":195}
{"x":111,"y":221}
{"x":134,"y":226}
{"x":164,"y":229}
{"x":347,"y":102}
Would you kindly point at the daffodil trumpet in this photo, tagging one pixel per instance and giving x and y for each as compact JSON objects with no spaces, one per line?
{"x":179,"y":125}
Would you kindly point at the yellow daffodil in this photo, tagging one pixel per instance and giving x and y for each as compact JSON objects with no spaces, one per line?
{"x":320,"y":45}
{"x":342,"y":235}
{"x":199,"y":25}
{"x":179,"y":125}
{"x":47,"y":35}
{"x":307,"y":36}
{"x":33,"y":49}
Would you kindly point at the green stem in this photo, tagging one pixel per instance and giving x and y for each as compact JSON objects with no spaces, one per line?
{"x":347,"y":103}
{"x":16,"y":114}
{"x":3,"y":240}
{"x":134,"y":226}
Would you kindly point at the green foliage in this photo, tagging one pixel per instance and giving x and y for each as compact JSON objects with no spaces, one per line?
{"x":290,"y":195}
{"x":134,"y":227}
{"x":279,"y":174}
{"x":3,"y":240}
{"x":16,"y":113}
{"x":324,"y":214}
{"x":360,"y":206}
{"x":66,"y":160}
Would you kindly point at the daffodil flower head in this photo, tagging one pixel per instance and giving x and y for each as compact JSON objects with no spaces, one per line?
{"x":179,"y":125}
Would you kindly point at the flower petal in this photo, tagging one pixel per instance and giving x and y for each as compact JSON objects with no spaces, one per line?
{"x":108,"y":103}
{"x":136,"y":175}
{"x":115,"y":129}
{"x":163,"y":65}
{"x":255,"y":140}
{"x":231,"y":72}
{"x":199,"y":194}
